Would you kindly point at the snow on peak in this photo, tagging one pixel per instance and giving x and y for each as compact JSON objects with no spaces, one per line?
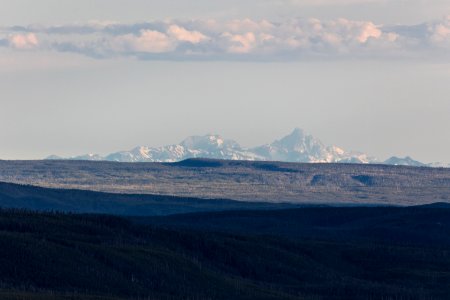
{"x":406,"y":161}
{"x":298,"y":146}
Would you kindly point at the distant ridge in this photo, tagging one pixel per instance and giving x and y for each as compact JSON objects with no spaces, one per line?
{"x":242,"y":180}
{"x":298,"y":146}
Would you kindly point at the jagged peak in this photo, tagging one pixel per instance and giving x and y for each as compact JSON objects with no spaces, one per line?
{"x":298,"y":132}
{"x":298,"y":146}
{"x":208,"y":140}
{"x":299,"y":139}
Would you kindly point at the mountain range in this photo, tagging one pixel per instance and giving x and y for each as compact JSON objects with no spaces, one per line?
{"x":298,"y":146}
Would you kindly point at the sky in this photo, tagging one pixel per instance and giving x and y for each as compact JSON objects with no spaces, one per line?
{"x":98,"y":76}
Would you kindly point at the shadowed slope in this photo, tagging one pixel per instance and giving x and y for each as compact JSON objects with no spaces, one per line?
{"x":108,"y":256}
{"x":80,"y":201}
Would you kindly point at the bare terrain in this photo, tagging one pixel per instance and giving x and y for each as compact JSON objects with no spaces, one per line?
{"x":242,"y":180}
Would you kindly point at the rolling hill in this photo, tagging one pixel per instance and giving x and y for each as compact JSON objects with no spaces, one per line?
{"x":242,"y":180}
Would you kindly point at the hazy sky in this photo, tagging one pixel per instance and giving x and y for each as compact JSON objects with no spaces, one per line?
{"x":97,"y":76}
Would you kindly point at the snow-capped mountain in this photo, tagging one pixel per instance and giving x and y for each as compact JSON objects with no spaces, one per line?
{"x":298,"y":146}
{"x":302,"y":147}
{"x":406,"y":161}
{"x":208,"y":146}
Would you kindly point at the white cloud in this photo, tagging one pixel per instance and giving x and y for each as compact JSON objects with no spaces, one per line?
{"x":150,"y":41}
{"x":248,"y":25}
{"x":368,"y":30}
{"x":181,"y":34}
{"x":440,"y":32}
{"x":291,"y":39}
{"x":343,"y":31}
{"x":23,"y":41}
{"x":240,"y":43}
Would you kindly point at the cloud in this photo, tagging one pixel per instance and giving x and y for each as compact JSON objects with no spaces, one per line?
{"x":23,"y":41}
{"x":293,"y":39}
{"x":181,"y":34}
{"x":440,"y":32}
{"x":150,"y":41}
{"x":368,"y":30}
{"x":240,"y":43}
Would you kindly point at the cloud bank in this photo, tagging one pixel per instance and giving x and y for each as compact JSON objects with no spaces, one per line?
{"x":245,"y":39}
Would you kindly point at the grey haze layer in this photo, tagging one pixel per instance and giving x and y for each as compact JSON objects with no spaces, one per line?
{"x":298,"y":146}
{"x":242,"y":180}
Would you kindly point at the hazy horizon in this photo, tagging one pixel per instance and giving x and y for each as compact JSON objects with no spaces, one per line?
{"x":102,"y":76}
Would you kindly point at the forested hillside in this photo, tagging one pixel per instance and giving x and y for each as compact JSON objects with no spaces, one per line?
{"x":66,"y":256}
